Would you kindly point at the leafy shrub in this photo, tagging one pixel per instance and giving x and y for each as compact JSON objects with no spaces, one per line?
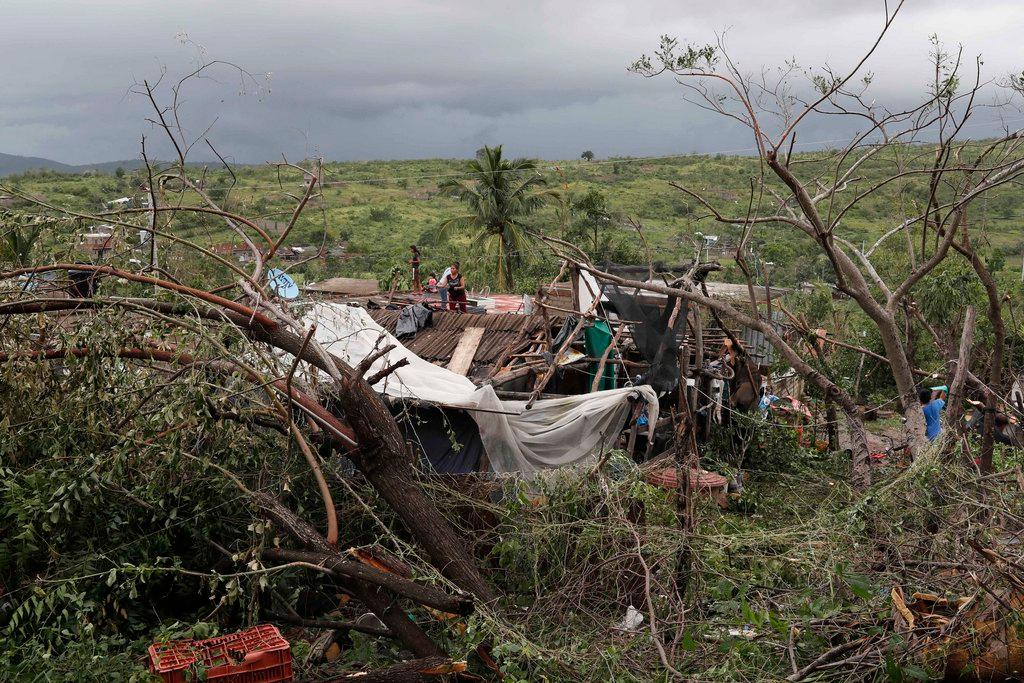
{"x":382,"y":214}
{"x":750,"y":442}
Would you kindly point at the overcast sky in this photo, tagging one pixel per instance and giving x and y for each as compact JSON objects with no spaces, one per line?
{"x":355,"y":79}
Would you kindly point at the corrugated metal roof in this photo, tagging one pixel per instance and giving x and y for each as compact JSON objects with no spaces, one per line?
{"x":437,"y":343}
{"x":757,"y":346}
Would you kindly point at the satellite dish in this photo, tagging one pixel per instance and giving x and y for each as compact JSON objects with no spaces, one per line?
{"x":281,"y":284}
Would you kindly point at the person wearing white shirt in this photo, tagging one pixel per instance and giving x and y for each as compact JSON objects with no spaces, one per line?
{"x":442,"y":287}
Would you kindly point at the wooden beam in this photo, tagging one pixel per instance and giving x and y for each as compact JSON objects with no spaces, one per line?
{"x":462,"y":358}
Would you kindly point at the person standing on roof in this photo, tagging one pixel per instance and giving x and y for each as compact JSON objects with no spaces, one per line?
{"x":442,"y":287}
{"x":456,"y":287}
{"x":417,"y":286}
{"x":932,"y":403}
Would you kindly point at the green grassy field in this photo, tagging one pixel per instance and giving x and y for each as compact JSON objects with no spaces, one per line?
{"x":378,"y":208}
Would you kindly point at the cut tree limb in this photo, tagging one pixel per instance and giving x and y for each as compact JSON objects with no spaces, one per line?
{"x":385,"y":460}
{"x":425,"y":670}
{"x":956,"y":387}
{"x":398,"y":622}
{"x":395,"y":620}
{"x":418,"y":593}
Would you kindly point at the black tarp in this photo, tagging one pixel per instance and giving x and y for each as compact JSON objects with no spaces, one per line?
{"x":412,"y":319}
{"x":447,"y":440}
{"x":656,"y":342}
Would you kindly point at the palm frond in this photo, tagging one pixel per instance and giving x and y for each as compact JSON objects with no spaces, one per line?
{"x":497,"y":193}
{"x":450,"y":226}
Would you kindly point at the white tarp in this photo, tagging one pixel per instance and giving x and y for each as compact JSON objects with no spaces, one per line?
{"x":553,"y":433}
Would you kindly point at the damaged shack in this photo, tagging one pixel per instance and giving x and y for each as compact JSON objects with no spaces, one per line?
{"x":583,"y":367}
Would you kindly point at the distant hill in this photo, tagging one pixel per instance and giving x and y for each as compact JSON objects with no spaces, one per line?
{"x":12,"y":163}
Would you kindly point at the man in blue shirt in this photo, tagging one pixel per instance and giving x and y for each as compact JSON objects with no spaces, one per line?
{"x":932,"y":403}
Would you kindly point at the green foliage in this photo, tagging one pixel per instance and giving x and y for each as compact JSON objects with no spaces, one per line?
{"x":543,"y":544}
{"x":84,"y":660}
{"x":382,"y":214}
{"x":669,"y":56}
{"x":816,"y":306}
{"x":599,"y":230}
{"x":755,"y":443}
{"x":951,"y":287}
{"x":100,"y":520}
{"x":20,"y":233}
{"x":408,"y":209}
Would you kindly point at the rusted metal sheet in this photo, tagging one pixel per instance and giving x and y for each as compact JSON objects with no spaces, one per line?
{"x":437,"y":343}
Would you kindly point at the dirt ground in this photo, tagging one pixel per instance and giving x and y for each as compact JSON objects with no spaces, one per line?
{"x":882,"y":434}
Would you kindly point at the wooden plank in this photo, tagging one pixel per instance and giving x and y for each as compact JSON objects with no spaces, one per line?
{"x":462,"y":357}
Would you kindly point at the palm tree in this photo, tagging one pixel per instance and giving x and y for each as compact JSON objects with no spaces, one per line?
{"x":498,"y":194}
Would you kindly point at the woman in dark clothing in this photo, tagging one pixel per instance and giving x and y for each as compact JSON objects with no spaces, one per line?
{"x":456,"y":289}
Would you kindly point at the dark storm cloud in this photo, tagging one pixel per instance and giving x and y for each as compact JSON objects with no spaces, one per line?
{"x":412,"y":79}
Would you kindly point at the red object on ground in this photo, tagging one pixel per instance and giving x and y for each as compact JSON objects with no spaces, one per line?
{"x":700,"y":480}
{"x":256,"y":655}
{"x":666,"y":478}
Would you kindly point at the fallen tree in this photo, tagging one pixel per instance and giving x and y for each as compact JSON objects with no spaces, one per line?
{"x":237,"y":345}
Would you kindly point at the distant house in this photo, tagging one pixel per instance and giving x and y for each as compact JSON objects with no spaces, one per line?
{"x":297,"y":253}
{"x":239,"y":252}
{"x":99,"y":242}
{"x":121,"y":203}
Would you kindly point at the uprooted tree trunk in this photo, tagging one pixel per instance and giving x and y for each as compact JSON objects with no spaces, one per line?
{"x":384,"y":459}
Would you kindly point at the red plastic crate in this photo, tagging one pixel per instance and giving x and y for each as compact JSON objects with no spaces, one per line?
{"x":256,"y":655}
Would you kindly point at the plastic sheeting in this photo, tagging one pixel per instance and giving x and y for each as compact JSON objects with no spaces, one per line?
{"x":553,"y":433}
{"x":412,"y":319}
{"x":597,"y":338}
